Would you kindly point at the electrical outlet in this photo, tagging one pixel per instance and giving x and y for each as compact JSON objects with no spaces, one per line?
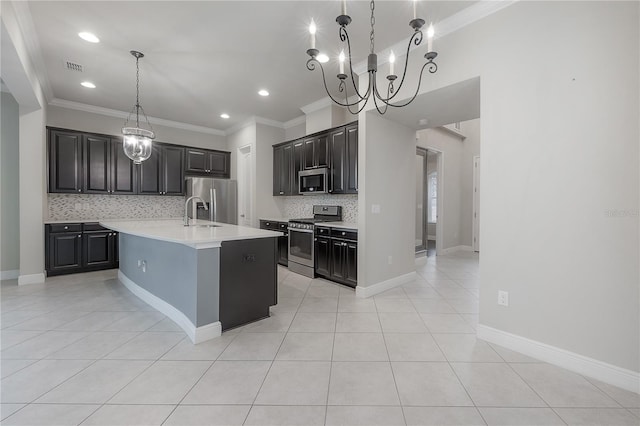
{"x":375,"y":208}
{"x":144,"y":266}
{"x":390,"y":260}
{"x":139,"y":263}
{"x":503,"y":298}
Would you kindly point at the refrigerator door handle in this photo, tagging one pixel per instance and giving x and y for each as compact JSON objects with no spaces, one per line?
{"x":215,"y":204}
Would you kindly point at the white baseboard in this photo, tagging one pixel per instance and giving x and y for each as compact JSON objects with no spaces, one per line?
{"x":374,"y":289}
{"x":599,"y":370}
{"x":454,"y":249}
{"x":196,"y":334}
{"x":10,"y":274}
{"x":31,"y":279}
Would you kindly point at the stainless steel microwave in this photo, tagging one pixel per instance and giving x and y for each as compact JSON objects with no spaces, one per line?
{"x":314,"y":181}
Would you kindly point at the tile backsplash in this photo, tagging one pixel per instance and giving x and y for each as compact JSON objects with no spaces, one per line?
{"x":299,"y":207}
{"x":85,"y":206}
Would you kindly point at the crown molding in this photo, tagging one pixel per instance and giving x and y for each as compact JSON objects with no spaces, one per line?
{"x":317,"y":105}
{"x":295,"y":122}
{"x":28,"y":31}
{"x":453,"y":23}
{"x":233,"y":129}
{"x":122,"y":114}
{"x":268,"y":122}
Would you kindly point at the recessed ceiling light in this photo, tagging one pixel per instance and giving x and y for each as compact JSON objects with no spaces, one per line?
{"x":322,"y":58}
{"x":88,"y":84}
{"x":263,"y":93}
{"x":225,"y":116}
{"x":91,"y":38}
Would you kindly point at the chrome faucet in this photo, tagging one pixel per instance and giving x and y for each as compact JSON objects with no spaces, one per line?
{"x":186,"y":205}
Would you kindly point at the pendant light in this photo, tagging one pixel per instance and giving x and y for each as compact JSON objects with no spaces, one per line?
{"x":137,"y":141}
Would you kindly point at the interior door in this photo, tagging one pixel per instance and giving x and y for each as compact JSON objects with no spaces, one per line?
{"x":421,"y":201}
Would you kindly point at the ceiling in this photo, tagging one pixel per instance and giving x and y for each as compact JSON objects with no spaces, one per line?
{"x":204,"y":58}
{"x":450,"y":104}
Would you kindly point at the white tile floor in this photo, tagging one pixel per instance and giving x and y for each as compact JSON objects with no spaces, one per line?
{"x":81,"y":349}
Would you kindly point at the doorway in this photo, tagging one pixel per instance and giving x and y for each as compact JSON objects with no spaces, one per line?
{"x":245,"y":186}
{"x":428,"y":203}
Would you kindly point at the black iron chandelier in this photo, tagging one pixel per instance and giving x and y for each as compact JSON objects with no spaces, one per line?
{"x":137,"y":140}
{"x":382,"y":102}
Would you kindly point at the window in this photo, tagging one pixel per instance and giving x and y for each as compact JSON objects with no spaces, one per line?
{"x":432,"y":197}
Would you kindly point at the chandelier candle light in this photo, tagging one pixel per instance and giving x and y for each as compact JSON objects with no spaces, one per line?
{"x":382,"y":102}
{"x":137,"y":141}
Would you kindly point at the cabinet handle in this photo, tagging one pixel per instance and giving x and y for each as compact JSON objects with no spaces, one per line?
{"x":79,"y":236}
{"x":281,"y":192}
{"x":344,"y":233}
{"x":66,"y":227}
{"x":79,"y":190}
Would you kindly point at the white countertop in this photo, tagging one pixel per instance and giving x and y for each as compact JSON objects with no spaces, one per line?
{"x":275,"y":219}
{"x":174,"y":231}
{"x":345,"y":225}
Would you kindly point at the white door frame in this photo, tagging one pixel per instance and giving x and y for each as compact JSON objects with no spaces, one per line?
{"x":245,"y":182}
{"x":475,"y":222}
{"x":440,"y":201}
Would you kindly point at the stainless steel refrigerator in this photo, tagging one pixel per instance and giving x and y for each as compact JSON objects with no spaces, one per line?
{"x":220,"y":195}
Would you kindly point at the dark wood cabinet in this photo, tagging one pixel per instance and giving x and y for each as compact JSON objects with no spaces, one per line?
{"x":65,"y":161}
{"x":351,"y":178}
{"x":336,"y":255}
{"x":208,"y":162}
{"x":77,"y":247}
{"x":123,"y":171}
{"x":283,"y":241}
{"x":316,"y":151}
{"x":282,"y":169}
{"x":336,"y":149}
{"x":323,"y":256}
{"x":96,"y":163}
{"x":64,"y":253}
{"x":338,"y":168}
{"x":163,"y":172}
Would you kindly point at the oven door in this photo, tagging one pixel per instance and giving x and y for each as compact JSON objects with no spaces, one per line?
{"x":301,"y":246}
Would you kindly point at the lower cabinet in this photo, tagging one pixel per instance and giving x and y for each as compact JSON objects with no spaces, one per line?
{"x":337,"y":255}
{"x":283,"y":242}
{"x":77,"y":247}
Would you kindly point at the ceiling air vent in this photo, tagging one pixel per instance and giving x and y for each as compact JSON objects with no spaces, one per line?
{"x":72,"y":66}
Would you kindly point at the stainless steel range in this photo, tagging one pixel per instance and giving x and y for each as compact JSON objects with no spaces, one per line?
{"x":301,"y":238}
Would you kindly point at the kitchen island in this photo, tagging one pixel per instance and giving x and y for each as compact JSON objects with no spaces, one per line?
{"x":207,"y":277}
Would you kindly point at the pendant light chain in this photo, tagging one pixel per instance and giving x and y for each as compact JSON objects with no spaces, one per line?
{"x":137,"y":92}
{"x":373,"y":23}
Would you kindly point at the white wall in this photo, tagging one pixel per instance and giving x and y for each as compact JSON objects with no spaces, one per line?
{"x":267,"y":205}
{"x":326,"y":118}
{"x":9,"y":187}
{"x":387,"y":176}
{"x":98,"y":123}
{"x":295,"y":132}
{"x":560,"y":171}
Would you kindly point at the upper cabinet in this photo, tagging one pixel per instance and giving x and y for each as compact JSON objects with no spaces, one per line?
{"x":81,"y":162}
{"x":163,"y":172}
{"x":336,"y":149}
{"x":65,"y":161}
{"x":207,"y":162}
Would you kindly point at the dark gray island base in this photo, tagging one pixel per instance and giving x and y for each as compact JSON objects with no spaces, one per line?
{"x":205,"y":286}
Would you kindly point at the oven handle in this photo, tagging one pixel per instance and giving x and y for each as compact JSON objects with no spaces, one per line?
{"x":306,"y":231}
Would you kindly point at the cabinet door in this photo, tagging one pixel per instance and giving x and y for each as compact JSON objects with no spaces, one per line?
{"x":116,"y":249}
{"x":351,"y":264}
{"x":65,"y":252}
{"x":197,"y":160}
{"x":338,"y":161}
{"x":286,"y":170}
{"x":308,"y":153}
{"x":98,"y":249}
{"x":323,"y":256}
{"x":337,"y":260}
{"x":173,"y":170}
{"x":298,"y":165}
{"x":321,"y":151}
{"x":123,"y":171}
{"x":65,"y":161}
{"x":96,"y":159}
{"x":283,"y":250}
{"x":352,"y":159}
{"x":219,"y":163}
{"x":277,"y":165}
{"x":149,"y":181}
